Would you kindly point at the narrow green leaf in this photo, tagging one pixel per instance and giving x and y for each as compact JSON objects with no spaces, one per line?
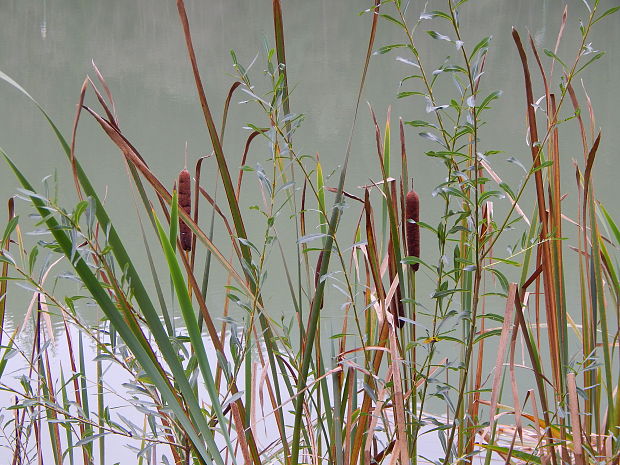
{"x":606,"y":13}
{"x":446,"y":292}
{"x":436,"y":35}
{"x":420,"y":124}
{"x":486,"y":334}
{"x":388,"y":48}
{"x":506,"y":188}
{"x":409,"y":94}
{"x":551,"y":54}
{"x":393,"y":20}
{"x":503,"y":281}
{"x":482,"y":45}
{"x":437,"y":14}
{"x":174,"y":220}
{"x":611,"y":223}
{"x":489,"y":98}
{"x":530,"y":458}
{"x":132,"y":334}
{"x":191,"y":323}
{"x":10,"y":227}
{"x":320,"y":187}
{"x":590,"y":61}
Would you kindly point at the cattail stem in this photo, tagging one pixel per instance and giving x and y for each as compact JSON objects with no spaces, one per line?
{"x":412,"y":207}
{"x":185,"y":203}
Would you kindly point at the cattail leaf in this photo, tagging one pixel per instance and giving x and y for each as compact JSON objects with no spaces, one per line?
{"x":190,"y":415}
{"x":134,"y":337}
{"x":320,"y":187}
{"x":386,"y":148}
{"x":611,"y":223}
{"x":174,"y":220}
{"x":191,"y":323}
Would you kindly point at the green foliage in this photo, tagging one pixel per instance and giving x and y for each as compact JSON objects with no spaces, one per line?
{"x":371,"y":393}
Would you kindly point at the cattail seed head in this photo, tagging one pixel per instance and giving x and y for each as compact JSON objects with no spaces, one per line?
{"x":412,"y":207}
{"x":185,"y":203}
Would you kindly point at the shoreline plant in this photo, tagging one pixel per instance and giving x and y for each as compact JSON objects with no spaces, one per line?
{"x":370,"y":394}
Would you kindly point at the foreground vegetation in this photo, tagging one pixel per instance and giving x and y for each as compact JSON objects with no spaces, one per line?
{"x":365,"y":394}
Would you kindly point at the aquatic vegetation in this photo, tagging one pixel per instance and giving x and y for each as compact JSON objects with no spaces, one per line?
{"x":404,"y":366}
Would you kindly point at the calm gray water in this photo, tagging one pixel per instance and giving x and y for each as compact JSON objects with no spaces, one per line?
{"x":48,"y":45}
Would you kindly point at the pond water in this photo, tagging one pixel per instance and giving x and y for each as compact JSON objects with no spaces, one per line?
{"x":48,"y":46}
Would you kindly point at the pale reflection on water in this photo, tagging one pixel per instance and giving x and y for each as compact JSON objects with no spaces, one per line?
{"x":127,"y":404}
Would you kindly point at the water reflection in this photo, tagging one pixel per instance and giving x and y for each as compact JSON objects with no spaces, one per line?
{"x":44,"y":21}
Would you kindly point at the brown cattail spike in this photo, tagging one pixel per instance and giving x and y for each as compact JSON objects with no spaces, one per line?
{"x":185,"y":204}
{"x":412,"y":207}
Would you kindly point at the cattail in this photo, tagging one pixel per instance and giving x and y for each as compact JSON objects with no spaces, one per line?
{"x":185,"y":204}
{"x":413,"y":228}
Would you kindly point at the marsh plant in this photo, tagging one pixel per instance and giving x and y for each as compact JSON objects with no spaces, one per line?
{"x":405,"y":366}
